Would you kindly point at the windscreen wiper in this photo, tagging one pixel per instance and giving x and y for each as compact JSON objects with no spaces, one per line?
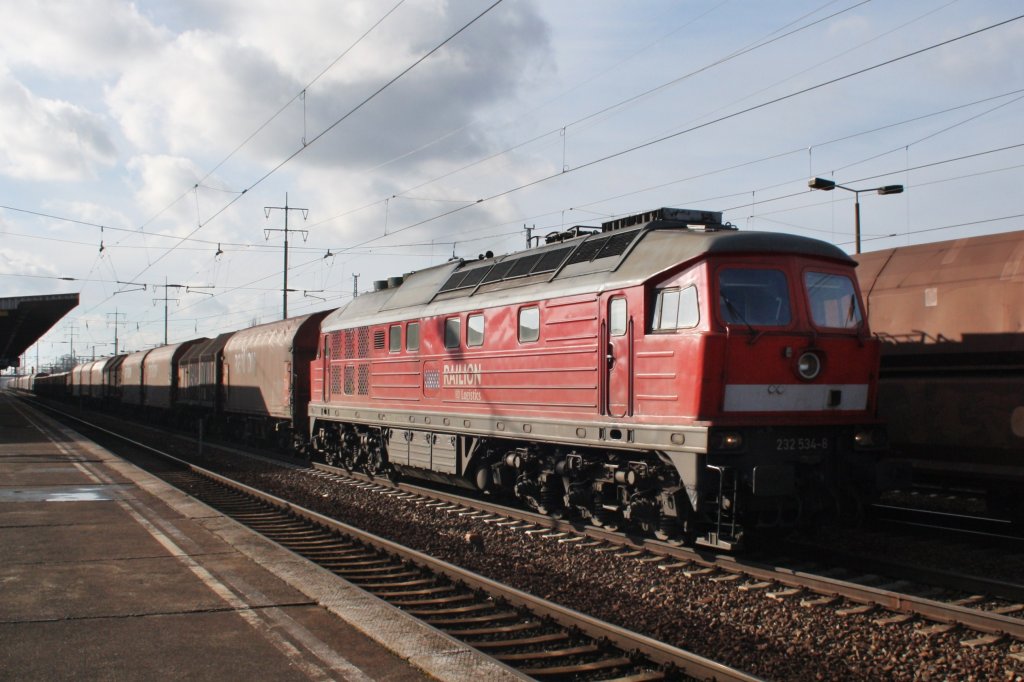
{"x":754,"y":334}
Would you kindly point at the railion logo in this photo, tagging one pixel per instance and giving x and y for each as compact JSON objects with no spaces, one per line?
{"x":462,"y":374}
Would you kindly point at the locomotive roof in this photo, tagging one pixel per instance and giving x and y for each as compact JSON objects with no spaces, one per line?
{"x":591,"y":264}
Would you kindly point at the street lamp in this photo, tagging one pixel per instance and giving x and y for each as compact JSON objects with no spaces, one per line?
{"x":829,"y":185}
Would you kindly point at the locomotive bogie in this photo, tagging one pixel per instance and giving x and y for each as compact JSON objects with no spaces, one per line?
{"x":602,"y":486}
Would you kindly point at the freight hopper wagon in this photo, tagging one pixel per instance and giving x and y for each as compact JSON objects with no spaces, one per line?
{"x":663,"y":371}
{"x":952,"y":383}
{"x":201,"y":383}
{"x":263,"y":380}
{"x":52,"y":385}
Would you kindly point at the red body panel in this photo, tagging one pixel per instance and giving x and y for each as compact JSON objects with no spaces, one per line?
{"x":554,"y":376}
{"x":578,"y":370}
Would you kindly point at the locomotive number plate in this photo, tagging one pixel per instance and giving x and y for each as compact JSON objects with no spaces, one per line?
{"x":799,"y":444}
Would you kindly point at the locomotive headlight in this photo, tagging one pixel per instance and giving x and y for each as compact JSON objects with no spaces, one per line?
{"x":728,"y":440}
{"x":808,"y":366}
{"x":866,"y":438}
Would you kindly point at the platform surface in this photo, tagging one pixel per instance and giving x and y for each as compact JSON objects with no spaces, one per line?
{"x":106,"y":572}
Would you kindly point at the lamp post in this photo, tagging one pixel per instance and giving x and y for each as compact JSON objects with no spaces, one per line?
{"x":829,"y":185}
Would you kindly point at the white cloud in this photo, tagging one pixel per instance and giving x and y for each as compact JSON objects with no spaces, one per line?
{"x":78,"y":38}
{"x":92,"y":212}
{"x":992,"y":58}
{"x":49,"y":139}
{"x":159,"y":181}
{"x":112,"y":110}
{"x":849,"y":27}
{"x":25,"y":263}
{"x":204,"y":92}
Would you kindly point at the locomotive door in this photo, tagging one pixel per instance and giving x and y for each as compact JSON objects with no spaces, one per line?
{"x":325,"y":367}
{"x":618,"y":345}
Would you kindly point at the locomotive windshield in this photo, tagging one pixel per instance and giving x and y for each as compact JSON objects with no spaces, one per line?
{"x":833,"y":300}
{"x":754,"y":297}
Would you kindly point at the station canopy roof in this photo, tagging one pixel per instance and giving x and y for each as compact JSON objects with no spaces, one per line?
{"x":24,"y":319}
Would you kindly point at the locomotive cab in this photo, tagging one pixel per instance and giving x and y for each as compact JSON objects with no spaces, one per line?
{"x":789,"y":393}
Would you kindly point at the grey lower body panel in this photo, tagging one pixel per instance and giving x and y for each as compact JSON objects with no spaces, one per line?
{"x":620,"y":435}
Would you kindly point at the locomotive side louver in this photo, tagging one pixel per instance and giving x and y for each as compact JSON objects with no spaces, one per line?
{"x":539,"y":263}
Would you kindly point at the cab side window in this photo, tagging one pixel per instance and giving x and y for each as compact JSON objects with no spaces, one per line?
{"x":676,"y":309}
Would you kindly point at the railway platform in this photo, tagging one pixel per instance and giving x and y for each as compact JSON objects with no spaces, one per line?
{"x":107,"y":572}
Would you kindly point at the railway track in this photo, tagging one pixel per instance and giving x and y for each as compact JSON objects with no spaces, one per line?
{"x":538,"y":638}
{"x":813,"y":585}
{"x":949,"y":522}
{"x":966,"y":614}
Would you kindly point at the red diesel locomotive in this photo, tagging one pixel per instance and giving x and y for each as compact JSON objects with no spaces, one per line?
{"x":664,"y":371}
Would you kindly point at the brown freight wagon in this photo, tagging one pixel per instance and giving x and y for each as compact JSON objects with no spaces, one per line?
{"x":112,"y":378}
{"x":132,"y":379}
{"x":200,"y":379}
{"x":53,"y":385}
{"x":160,"y":372}
{"x":266,"y":379}
{"x":99,"y":388}
{"x":80,"y":380}
{"x":952,"y":375}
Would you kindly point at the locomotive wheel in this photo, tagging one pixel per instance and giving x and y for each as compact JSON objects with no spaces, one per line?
{"x":606,"y":520}
{"x":376,"y":463}
{"x":550,"y":501}
{"x":541,"y":507}
{"x":669,"y":529}
{"x":299,"y":446}
{"x":347,"y":461}
{"x":541,"y":496}
{"x":645,"y":514}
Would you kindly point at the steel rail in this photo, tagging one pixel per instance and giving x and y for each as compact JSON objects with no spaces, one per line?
{"x":941,"y":612}
{"x":658,"y":652}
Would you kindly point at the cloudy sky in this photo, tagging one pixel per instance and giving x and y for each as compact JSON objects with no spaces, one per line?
{"x":141,"y":143}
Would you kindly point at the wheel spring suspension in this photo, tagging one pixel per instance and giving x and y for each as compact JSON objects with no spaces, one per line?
{"x":550,"y":496}
{"x":668,"y":527}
